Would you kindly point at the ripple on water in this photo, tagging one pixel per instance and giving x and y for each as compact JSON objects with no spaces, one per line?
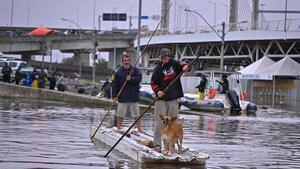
{"x":37,"y":134}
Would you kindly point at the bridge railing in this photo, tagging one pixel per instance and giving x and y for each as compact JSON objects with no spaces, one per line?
{"x":292,"y":25}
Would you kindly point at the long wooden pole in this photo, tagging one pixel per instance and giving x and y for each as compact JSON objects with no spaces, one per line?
{"x":155,"y":100}
{"x":137,"y":60}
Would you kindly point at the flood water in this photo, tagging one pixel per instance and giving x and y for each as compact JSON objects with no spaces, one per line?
{"x":43,"y":134}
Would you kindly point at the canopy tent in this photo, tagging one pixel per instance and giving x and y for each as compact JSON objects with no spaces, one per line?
{"x":41,"y":31}
{"x":251,"y":71}
{"x":284,"y":67}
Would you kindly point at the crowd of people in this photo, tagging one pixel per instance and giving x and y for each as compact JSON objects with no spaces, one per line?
{"x":35,"y":79}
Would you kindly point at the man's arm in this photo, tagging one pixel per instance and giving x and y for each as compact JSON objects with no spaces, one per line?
{"x":155,"y":81}
{"x":116,"y":85}
{"x":136,"y":77}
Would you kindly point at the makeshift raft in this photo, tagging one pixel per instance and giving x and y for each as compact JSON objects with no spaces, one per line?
{"x":129,"y":145}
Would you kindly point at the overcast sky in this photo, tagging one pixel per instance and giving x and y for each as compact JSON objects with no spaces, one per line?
{"x":49,"y":12}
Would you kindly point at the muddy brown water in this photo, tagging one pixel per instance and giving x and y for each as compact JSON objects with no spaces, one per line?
{"x":44,"y":134}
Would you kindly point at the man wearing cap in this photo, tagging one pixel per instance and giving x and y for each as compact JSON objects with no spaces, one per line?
{"x":167,"y":104}
{"x":129,"y":96}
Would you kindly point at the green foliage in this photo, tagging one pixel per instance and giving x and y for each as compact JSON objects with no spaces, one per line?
{"x":68,"y":61}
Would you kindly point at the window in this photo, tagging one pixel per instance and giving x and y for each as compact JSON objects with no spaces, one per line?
{"x":13,"y":64}
{"x":2,"y":64}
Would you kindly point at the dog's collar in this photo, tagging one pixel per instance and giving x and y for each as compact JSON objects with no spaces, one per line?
{"x":174,"y":119}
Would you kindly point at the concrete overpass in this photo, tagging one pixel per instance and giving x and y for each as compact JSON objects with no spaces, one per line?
{"x":242,"y":46}
{"x":80,"y":42}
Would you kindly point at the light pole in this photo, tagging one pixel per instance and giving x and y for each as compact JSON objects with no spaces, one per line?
{"x":262,"y":15}
{"x":11,"y":17}
{"x":215,"y":12}
{"x":222,"y":37}
{"x":80,"y":60}
{"x":285,"y":15}
{"x":94,"y":14}
{"x":68,"y":20}
{"x":138,"y":49}
{"x":113,"y":23}
{"x":226,"y":7}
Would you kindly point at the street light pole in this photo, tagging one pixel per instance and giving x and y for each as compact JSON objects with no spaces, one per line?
{"x":222,"y":37}
{"x":226,"y":7}
{"x":77,"y":25}
{"x":68,"y":20}
{"x":285,"y":15}
{"x":94,"y":56}
{"x":222,"y":47}
{"x":262,"y":16}
{"x":11,"y":18}
{"x":139,"y":30}
{"x":215,"y":12}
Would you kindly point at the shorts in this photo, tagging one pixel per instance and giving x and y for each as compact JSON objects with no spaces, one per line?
{"x":122,"y":109}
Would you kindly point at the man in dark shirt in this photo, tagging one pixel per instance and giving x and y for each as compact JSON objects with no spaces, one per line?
{"x":6,"y":73}
{"x":224,"y":84}
{"x":163,"y":75}
{"x":129,"y":96}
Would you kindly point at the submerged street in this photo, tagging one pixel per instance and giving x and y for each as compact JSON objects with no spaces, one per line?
{"x":43,"y":134}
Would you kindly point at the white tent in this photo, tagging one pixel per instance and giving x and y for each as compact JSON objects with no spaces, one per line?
{"x":251,"y":71}
{"x":284,"y":67}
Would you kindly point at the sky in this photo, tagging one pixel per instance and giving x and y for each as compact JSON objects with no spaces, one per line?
{"x":48,"y":13}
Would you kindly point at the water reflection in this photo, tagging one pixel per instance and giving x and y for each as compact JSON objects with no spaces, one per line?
{"x":42,"y":134}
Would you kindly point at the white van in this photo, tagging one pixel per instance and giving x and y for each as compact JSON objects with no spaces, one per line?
{"x":14,"y":64}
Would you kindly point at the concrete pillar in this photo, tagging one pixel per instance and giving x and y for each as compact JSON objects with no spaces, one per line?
{"x":26,"y":56}
{"x":233,"y":15}
{"x":115,"y":56}
{"x":254,"y":17}
{"x":164,"y":7}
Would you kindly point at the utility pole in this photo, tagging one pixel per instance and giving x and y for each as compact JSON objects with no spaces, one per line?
{"x":226,"y":7}
{"x":262,"y":16}
{"x":94,"y":14}
{"x":11,"y":17}
{"x":222,"y":37}
{"x":130,"y":23}
{"x":139,"y":30}
{"x":94,"y":56}
{"x":285,"y":15}
{"x":215,"y":12}
{"x":99,"y":22}
{"x":222,"y":47}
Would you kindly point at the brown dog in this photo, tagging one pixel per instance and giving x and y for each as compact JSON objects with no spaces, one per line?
{"x":172,"y":131}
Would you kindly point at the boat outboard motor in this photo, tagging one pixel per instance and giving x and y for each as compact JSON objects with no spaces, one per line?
{"x":235,"y":108}
{"x":251,"y":109}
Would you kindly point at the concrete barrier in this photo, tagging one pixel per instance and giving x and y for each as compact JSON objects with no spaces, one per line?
{"x":12,"y":90}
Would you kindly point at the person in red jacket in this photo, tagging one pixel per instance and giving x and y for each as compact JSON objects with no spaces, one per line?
{"x":163,"y":75}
